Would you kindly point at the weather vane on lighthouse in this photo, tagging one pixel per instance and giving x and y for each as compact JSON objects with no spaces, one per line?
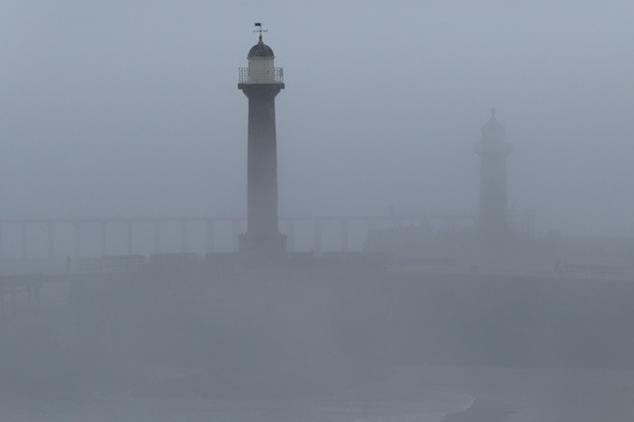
{"x":259,"y":29}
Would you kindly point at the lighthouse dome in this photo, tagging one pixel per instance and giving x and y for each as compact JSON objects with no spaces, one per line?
{"x":260,"y":50}
{"x":493,"y":130}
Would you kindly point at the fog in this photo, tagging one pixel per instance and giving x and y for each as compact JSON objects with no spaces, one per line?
{"x":129,"y":112}
{"x":131,"y":108}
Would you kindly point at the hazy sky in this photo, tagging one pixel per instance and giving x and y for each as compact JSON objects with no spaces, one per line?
{"x":130,"y":108}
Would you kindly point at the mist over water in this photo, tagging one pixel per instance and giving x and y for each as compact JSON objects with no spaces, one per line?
{"x":379,"y":245}
{"x":131,"y":108}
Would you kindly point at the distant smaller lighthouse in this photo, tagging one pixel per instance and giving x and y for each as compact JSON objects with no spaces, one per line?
{"x":493,"y":151}
{"x":261,"y":81}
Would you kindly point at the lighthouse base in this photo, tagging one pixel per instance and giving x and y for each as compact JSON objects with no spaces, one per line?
{"x":263,"y":247}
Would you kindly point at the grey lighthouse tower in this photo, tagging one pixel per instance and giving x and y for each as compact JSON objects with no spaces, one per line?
{"x":261,"y":81}
{"x":493,"y":151}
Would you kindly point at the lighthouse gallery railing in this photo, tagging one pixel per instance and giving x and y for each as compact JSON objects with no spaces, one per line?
{"x":243,"y":75}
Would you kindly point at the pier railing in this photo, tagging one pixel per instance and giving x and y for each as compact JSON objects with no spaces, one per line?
{"x":99,"y":237}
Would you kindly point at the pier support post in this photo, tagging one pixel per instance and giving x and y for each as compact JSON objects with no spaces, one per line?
{"x":24,"y":240}
{"x":344,"y":235}
{"x":156,"y":225}
{"x":290,"y":234}
{"x":235,"y":234}
{"x":317,"y":236}
{"x":184,"y":237}
{"x":14,"y":300}
{"x":77,"y":239}
{"x":210,"y":237}
{"x":50,"y":238}
{"x":102,"y":238}
{"x":130,"y":233}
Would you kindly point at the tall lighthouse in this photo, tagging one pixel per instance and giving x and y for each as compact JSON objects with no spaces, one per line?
{"x":493,"y":151}
{"x":261,"y":81}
